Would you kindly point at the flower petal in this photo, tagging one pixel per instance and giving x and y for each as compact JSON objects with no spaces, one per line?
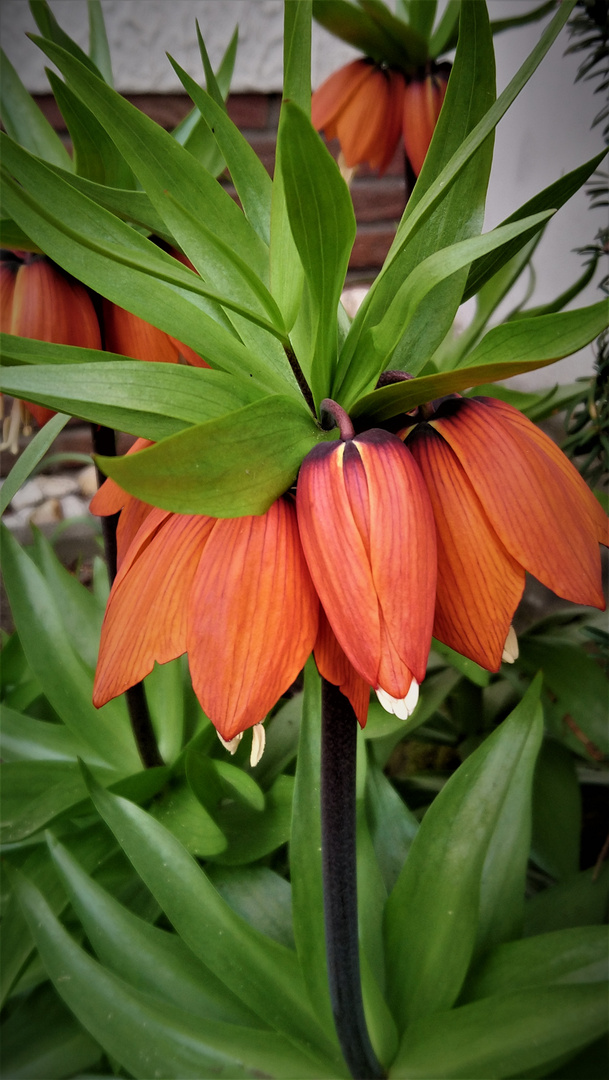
{"x":368,"y":536}
{"x":479,"y":583}
{"x":422,"y":103}
{"x":131,"y":336}
{"x":536,"y":507}
{"x":109,"y":497}
{"x":146,"y":616}
{"x":334,"y":93}
{"x":51,"y":306}
{"x":333,"y":665}
{"x":253,"y":617}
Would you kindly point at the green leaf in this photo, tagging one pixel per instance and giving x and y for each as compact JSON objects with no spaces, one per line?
{"x":253,"y":835}
{"x":322,"y":221}
{"x":31,"y":456}
{"x":25,"y":739}
{"x":151,"y":400}
{"x":432,"y":913}
{"x":50,"y":28}
{"x":352,"y":24}
{"x":504,"y":1035}
{"x":420,"y":15}
{"x":95,"y":156}
{"x":557,"y":812}
{"x":305,"y":855}
{"x":402,"y":397}
{"x":504,"y":874}
{"x":445,"y":33}
{"x":81,"y":612}
{"x":230,"y":467}
{"x":118,"y":262}
{"x":260,"y":896}
{"x":382,"y":339}
{"x":179,"y":810}
{"x":145,"y":146}
{"x":392,"y":826}
{"x":63,"y":677}
{"x":251,"y":180}
{"x":35,"y":792}
{"x":41,"y":1040}
{"x":412,"y":44}
{"x":23,"y":120}
{"x":551,"y":198}
{"x":580,"y":901}
{"x":455,"y":216}
{"x":99,"y":50}
{"x":147,"y":958}
{"x":214,"y":781}
{"x":498,"y":25}
{"x":91,"y":846}
{"x":263,"y":974}
{"x":576,"y":681}
{"x":164,"y":688}
{"x":173,"y":1043}
{"x":540,"y":340}
{"x":575,"y":955}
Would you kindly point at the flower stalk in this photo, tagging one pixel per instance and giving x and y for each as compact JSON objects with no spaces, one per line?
{"x":338,"y":763}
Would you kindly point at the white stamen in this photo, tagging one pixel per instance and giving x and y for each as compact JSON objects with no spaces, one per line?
{"x":400,"y":707}
{"x":258,"y":744}
{"x":510,"y":649}
{"x":230,"y":744}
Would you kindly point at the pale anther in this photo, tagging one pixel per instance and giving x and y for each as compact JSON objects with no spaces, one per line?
{"x":510,"y":649}
{"x":230,"y":744}
{"x":258,"y":744}
{"x":400,"y":707}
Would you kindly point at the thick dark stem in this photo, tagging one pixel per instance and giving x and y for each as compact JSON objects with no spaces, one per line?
{"x":338,"y":759}
{"x":104,"y":442}
{"x":305,"y":389}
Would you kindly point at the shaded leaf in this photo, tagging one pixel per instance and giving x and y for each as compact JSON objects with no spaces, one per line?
{"x":24,"y":121}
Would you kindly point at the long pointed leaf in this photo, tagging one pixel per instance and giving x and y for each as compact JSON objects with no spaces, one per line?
{"x":262,"y":973}
{"x":31,"y":456}
{"x":24,"y":121}
{"x":171,"y":1043}
{"x":432,"y":913}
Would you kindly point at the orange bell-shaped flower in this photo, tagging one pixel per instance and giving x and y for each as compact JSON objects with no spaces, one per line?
{"x":235,"y":594}
{"x":422,"y":103}
{"x":41,"y":301}
{"x":361,"y":105}
{"x":506,"y":500}
{"x":368,"y":535}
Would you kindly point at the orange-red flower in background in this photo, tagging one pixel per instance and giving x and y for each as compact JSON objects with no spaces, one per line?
{"x":367,"y":107}
{"x":41,"y":301}
{"x":422,"y":103}
{"x":362,"y":106}
{"x":506,"y":500}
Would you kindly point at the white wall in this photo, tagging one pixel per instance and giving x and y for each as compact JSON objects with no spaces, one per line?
{"x":545,"y":134}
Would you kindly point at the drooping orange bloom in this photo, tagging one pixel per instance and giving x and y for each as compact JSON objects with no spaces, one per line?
{"x":422,"y":103}
{"x":234,"y":593}
{"x":368,"y":536}
{"x":506,"y":500}
{"x":41,"y":301}
{"x":362,"y":106}
{"x":129,"y":335}
{"x":242,"y":596}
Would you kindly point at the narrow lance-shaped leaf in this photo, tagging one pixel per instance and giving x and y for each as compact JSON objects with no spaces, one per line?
{"x":263,"y":974}
{"x":251,"y":180}
{"x":24,"y":121}
{"x":31,"y":456}
{"x":323,"y":226}
{"x":122,"y":265}
{"x":174,"y":1043}
{"x":230,"y":467}
{"x":99,"y":50}
{"x":381,"y":339}
{"x":432,"y":913}
{"x":458,"y":216}
{"x":149,"y":400}
{"x":551,"y":198}
{"x":510,"y":349}
{"x":505,"y":1035}
{"x":146,"y":146}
